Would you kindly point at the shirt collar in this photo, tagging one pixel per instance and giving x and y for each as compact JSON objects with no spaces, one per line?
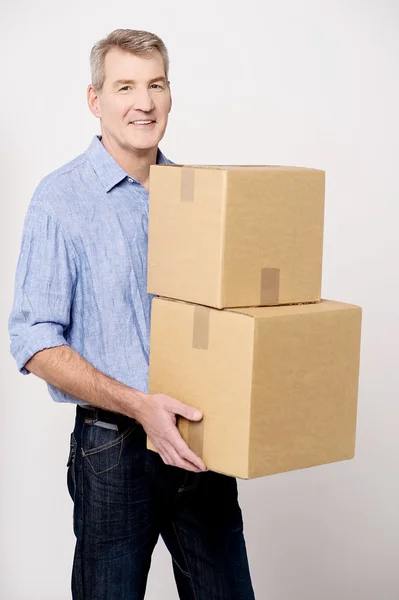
{"x":107,"y":169}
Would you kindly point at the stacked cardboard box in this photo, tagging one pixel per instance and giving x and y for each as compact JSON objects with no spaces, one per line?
{"x":239,"y":329}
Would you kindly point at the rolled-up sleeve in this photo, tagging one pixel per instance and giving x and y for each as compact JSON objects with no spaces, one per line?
{"x":44,"y":287}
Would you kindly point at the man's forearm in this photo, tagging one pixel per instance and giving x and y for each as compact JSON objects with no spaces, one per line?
{"x":65,"y":369}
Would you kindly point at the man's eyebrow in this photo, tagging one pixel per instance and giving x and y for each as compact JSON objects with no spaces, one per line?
{"x":132,"y":81}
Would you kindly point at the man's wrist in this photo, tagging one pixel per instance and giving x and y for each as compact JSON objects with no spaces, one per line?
{"x":133,"y":403}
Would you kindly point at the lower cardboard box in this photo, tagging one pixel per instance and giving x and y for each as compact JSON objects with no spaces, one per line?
{"x":278,"y":386}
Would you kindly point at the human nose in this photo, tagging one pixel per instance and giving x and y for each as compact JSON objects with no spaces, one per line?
{"x":143,"y":101}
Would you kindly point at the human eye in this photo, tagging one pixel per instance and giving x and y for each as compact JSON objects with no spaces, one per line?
{"x":156,"y":86}
{"x":125,"y":88}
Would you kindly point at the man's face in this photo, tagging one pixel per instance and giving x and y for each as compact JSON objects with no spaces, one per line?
{"x":135,"y":100}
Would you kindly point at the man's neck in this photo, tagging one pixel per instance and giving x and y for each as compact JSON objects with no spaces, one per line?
{"x":137,"y":165}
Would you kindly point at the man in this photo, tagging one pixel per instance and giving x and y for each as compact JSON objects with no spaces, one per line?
{"x":81,"y":322}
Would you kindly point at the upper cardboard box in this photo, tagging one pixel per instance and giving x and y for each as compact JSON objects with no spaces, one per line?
{"x":233,"y":236}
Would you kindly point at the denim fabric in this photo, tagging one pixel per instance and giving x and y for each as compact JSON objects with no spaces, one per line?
{"x":81,"y":278}
{"x":125,"y":497}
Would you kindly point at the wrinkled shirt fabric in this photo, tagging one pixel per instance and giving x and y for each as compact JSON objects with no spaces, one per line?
{"x":81,"y":277}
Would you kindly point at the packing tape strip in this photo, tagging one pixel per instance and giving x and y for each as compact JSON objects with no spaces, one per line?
{"x":201,"y":327}
{"x":196,"y":437}
{"x":270,"y":286}
{"x":193,"y":433}
{"x":187,"y":184}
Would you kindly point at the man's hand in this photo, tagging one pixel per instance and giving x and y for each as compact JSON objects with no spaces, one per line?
{"x":158,"y":418}
{"x":64,"y":368}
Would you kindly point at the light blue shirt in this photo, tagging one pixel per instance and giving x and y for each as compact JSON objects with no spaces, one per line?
{"x":81,"y":278}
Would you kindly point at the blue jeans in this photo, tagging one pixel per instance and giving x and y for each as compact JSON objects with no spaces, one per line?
{"x":125,"y":497}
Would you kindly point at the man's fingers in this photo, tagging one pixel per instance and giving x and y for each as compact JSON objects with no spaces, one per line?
{"x":174,"y":406}
{"x":170,"y":441}
{"x":182,"y":463}
{"x":176,"y":452}
{"x":188,"y":412}
{"x":171,"y":457}
{"x":186,"y":454}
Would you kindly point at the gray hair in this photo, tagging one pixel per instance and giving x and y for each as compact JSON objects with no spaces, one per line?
{"x":128,"y":40}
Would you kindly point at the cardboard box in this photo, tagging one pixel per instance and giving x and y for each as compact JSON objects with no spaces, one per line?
{"x":277,"y":386}
{"x":236,"y":236}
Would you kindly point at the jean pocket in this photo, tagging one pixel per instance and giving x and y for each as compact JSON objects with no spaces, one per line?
{"x":71,"y":481}
{"x":102,"y":447}
{"x":72,"y":450}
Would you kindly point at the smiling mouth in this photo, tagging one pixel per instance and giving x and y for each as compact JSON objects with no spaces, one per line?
{"x":141,"y":123}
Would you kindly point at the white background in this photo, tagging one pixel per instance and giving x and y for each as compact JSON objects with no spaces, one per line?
{"x":311,"y":83}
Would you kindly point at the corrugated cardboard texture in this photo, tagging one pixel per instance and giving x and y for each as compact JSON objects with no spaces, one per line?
{"x":185,"y":235}
{"x":278,"y":386}
{"x":218,"y":236}
{"x":304,"y":388}
{"x":274,"y":221}
{"x":182,"y":371}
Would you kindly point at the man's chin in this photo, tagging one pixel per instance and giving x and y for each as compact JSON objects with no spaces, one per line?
{"x":143,"y":145}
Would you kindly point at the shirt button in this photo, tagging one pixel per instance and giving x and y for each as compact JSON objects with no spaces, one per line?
{"x":130,"y":180}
